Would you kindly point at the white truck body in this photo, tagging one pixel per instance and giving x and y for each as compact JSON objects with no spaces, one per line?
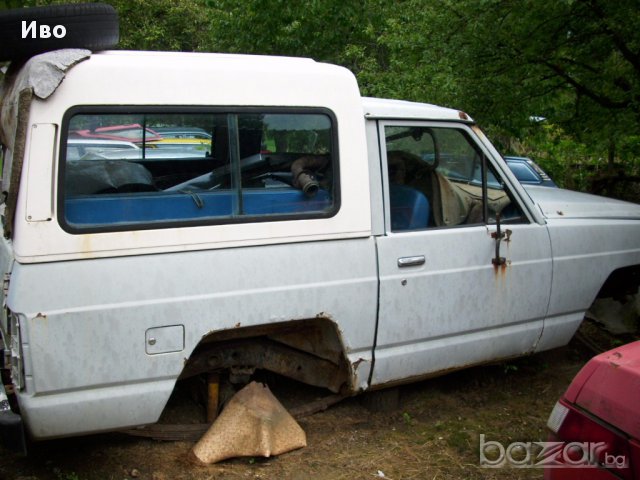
{"x":101,"y":317}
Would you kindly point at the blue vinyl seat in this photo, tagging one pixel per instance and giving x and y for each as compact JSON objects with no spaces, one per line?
{"x":409,"y":208}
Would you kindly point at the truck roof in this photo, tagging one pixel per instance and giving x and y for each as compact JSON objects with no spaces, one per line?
{"x":180,"y":78}
{"x":206,"y":61}
{"x":396,"y":109}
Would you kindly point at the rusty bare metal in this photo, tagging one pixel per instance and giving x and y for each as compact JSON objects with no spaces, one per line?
{"x":248,"y":354}
{"x":318,"y":337}
{"x":310,"y":351}
{"x":213,"y":394}
{"x":303,"y":176}
{"x":498,"y":235}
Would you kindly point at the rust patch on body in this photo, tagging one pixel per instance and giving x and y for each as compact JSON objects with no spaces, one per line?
{"x":500,"y":268}
{"x":500,"y":271}
{"x":357,"y":363}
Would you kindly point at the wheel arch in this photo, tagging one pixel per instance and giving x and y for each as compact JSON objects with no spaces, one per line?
{"x":621,"y":281}
{"x":616,"y":306}
{"x":310,"y":351}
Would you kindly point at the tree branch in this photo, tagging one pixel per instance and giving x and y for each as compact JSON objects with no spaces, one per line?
{"x":584,"y":90}
{"x":616,"y":37}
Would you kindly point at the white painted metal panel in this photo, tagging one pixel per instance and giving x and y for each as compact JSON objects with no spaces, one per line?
{"x":585,"y":253}
{"x":39,"y":172}
{"x":458,"y":309}
{"x":87,"y":322}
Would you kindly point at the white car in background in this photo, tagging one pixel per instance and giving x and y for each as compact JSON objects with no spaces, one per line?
{"x":77,"y":148}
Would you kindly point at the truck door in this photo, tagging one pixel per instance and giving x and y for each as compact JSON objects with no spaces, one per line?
{"x":465,"y":274}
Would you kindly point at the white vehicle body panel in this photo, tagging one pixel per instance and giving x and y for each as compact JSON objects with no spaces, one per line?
{"x":580,"y":267}
{"x":560,"y":203}
{"x":104,"y":307}
{"x":591,"y":236}
{"x":458,"y":306}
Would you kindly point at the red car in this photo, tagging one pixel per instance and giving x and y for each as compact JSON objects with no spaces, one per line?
{"x":130,"y":133}
{"x":597,"y":421}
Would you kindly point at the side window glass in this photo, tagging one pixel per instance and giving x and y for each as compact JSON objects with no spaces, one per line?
{"x":128,"y":171}
{"x":439,"y":178}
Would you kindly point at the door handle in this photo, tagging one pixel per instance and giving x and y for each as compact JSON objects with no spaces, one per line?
{"x":411,"y":261}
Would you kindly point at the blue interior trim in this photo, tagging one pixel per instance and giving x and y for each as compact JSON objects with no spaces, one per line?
{"x":110,"y":209}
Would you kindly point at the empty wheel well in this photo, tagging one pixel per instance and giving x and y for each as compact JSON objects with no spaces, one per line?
{"x":621,"y":282}
{"x":309,"y":351}
{"x":616,"y":308}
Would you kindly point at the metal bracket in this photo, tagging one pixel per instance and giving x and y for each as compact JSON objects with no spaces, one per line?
{"x":498,"y":235}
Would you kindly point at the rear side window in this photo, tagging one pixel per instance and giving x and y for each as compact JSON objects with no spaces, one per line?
{"x":126,"y":171}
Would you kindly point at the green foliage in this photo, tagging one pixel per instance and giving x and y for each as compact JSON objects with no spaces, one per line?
{"x":60,"y":475}
{"x":575,"y":63}
{"x":406,"y":417}
{"x":460,"y":441}
{"x":327,"y":30}
{"x":174,"y":25}
{"x":566,"y":60}
{"x":568,"y":161}
{"x":510,"y":367}
{"x":6,"y":4}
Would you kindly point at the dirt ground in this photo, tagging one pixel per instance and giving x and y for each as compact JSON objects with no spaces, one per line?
{"x":434,"y":434}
